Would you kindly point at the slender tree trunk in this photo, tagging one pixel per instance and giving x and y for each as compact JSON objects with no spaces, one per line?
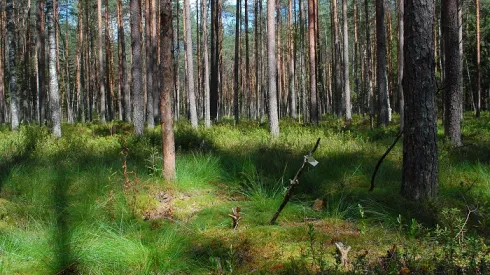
{"x":79,"y":109}
{"x":271,"y":33}
{"x":357,"y":57}
{"x":347,"y":103}
{"x":258,"y":79}
{"x":2,"y":72}
{"x":214,"y":60}
{"x":123,"y":75}
{"x":420,"y":172}
{"x":190,"y":66}
{"x":155,"y":52}
{"x":453,"y":67}
{"x":14,"y":105}
{"x":108,"y":68}
{"x":248,"y":77}
{"x":150,"y":59}
{"x":101,"y":62}
{"x":478,"y":61}
{"x":176,"y":63}
{"x":381,"y":76}
{"x":369,"y":68}
{"x":41,"y":62}
{"x":292,"y":61}
{"x":54,"y":94}
{"x":337,"y":61}
{"x":237,"y":64}
{"x":205,"y":54}
{"x":166,"y":92}
{"x":69,"y":96}
{"x":400,"y":63}
{"x":312,"y":48}
{"x":136,"y":69}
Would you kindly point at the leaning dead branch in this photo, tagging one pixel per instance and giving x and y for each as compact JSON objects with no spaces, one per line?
{"x":307,"y":159}
{"x":382,"y":158}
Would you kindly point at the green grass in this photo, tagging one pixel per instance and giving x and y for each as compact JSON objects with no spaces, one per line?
{"x":65,"y":205}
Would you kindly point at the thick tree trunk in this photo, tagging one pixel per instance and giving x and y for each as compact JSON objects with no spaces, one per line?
{"x":453,"y":92}
{"x":166,"y":121}
{"x":381,"y":75}
{"x":400,"y":63}
{"x":190,"y":65}
{"x":101,"y":62}
{"x":136,"y":69}
{"x":312,"y":48}
{"x":236,"y":105}
{"x":271,"y":49}
{"x":205,"y":56}
{"x":347,"y":104}
{"x":54,"y":94}
{"x":420,"y":172}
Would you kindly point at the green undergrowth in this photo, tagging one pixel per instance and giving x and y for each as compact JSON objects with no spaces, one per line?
{"x":94,"y":202}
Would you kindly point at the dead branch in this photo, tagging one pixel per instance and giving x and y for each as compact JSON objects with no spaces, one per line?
{"x":382,"y":158}
{"x":235,"y":216}
{"x":343,"y":250}
{"x":294,"y":182}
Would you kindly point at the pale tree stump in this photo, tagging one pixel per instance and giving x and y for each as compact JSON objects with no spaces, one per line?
{"x":343,"y":250}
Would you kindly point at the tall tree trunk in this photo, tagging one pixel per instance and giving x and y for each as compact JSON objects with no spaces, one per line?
{"x":357,"y":57}
{"x":190,"y":65}
{"x":166,"y":121}
{"x":271,"y":49}
{"x":101,"y":62}
{"x":176,"y":63}
{"x":205,"y":56}
{"x":381,"y":75}
{"x":258,"y":79}
{"x":400,"y":63}
{"x":78,"y":71}
{"x":150,"y":59}
{"x":2,"y":72}
{"x":14,"y":104}
{"x":347,"y":103}
{"x":369,"y":68}
{"x":453,"y":91}
{"x":54,"y":94}
{"x":292,"y":61}
{"x":302,"y":59}
{"x":420,"y":172}
{"x":478,"y":62}
{"x":41,"y":62}
{"x":312,"y":48}
{"x":337,"y":61}
{"x":108,"y":68}
{"x":237,"y":64}
{"x":69,"y":96}
{"x":136,"y":69}
{"x":248,"y":77}
{"x":214,"y":87}
{"x":123,"y":75}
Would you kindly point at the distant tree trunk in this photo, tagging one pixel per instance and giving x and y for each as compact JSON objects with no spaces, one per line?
{"x":124,"y":97}
{"x":248,"y":77}
{"x":69,"y":96}
{"x":271,"y":54}
{"x":312,"y":48}
{"x":150,"y":59}
{"x":337,"y":61}
{"x":369,"y":68}
{"x":14,"y":105}
{"x":137,"y":78}
{"x":292,"y":61}
{"x":190,"y":65}
{"x":420,"y":172}
{"x":54,"y":94}
{"x":478,"y":62}
{"x":41,"y":62}
{"x":176,"y":63}
{"x":155,"y":52}
{"x":108,"y":59}
{"x":166,"y":92}
{"x":453,"y":91}
{"x":79,"y":109}
{"x":357,"y":57}
{"x":236,"y":107}
{"x":400,"y":63}
{"x":205,"y":56}
{"x":258,"y":79}
{"x":214,"y":87}
{"x":101,"y":62}
{"x":2,"y":72}
{"x":347,"y":104}
{"x":381,"y":77}
{"x":302,"y":60}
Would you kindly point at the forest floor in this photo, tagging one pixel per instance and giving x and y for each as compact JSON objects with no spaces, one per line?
{"x":94,"y":202}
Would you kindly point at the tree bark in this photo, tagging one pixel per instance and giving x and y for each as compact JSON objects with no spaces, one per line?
{"x":420,"y":172}
{"x":137,"y":79}
{"x":214,"y":87}
{"x":190,"y":65}
{"x":205,"y":56}
{"x":271,"y":56}
{"x":400,"y":63}
{"x":453,"y":91}
{"x":108,"y":68}
{"x":54,"y":94}
{"x":347,"y":103}
{"x":166,"y":121}
{"x":369,"y":68}
{"x":123,"y":75}
{"x":2,"y":72}
{"x":14,"y":105}
{"x":337,"y":61}
{"x":478,"y":61}
{"x":312,"y":48}
{"x":150,"y":59}
{"x":381,"y":75}
{"x":292,"y":61}
{"x":236,"y":105}
{"x":101,"y":63}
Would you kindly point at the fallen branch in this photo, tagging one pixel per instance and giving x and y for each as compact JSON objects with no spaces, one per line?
{"x":235,"y":216}
{"x":342,"y":251}
{"x":382,"y":158}
{"x":294,"y":182}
